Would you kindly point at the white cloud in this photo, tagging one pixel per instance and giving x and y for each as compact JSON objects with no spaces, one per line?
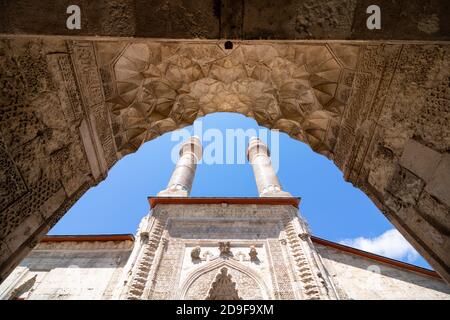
{"x":389,"y":244}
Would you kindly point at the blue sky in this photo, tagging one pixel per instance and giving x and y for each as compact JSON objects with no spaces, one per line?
{"x":334,"y":209}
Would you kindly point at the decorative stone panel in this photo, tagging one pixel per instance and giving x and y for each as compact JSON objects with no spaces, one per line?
{"x":198,"y":241}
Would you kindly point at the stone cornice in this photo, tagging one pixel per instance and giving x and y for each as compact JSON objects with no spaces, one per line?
{"x":294,"y":201}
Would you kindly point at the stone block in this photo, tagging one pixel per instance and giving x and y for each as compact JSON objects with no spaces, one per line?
{"x":52,"y":204}
{"x":90,"y":150}
{"x":381,"y":173}
{"x":439,"y":186}
{"x":434,"y":211}
{"x":4,"y":252}
{"x":23,"y":231}
{"x":420,"y":159}
{"x":422,"y":229}
{"x":406,"y":186}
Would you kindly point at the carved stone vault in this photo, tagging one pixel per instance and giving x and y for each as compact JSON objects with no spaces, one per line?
{"x":71,"y":108}
{"x":299,"y":89}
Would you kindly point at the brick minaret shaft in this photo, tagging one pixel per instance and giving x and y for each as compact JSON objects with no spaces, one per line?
{"x":266,"y":179}
{"x":180,"y":183}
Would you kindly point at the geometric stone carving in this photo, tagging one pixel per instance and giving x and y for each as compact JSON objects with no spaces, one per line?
{"x":61,"y":69}
{"x":304,"y":236}
{"x":161,"y":87}
{"x":199,"y":282}
{"x":12,"y":185}
{"x":193,"y":266}
{"x":141,"y":274}
{"x":282,"y":283}
{"x":304,"y":271}
{"x":83,"y":55}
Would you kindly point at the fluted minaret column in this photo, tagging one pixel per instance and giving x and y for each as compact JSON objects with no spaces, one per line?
{"x":180,"y":183}
{"x":266,"y":179}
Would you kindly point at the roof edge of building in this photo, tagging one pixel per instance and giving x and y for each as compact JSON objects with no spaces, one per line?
{"x":294,"y":201}
{"x":317,"y":240}
{"x":376,"y":257}
{"x":88,"y":237}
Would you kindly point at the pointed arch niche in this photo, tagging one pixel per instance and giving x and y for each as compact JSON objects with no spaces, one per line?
{"x":210,"y":280}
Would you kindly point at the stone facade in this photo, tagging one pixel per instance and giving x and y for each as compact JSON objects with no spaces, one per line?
{"x":68,"y":270}
{"x":71,"y":108}
{"x":214,"y":251}
{"x":198,"y":241}
{"x":228,"y":19}
{"x":362,"y":278}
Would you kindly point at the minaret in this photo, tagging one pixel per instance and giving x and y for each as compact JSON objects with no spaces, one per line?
{"x":266,"y":179}
{"x":180,"y":183}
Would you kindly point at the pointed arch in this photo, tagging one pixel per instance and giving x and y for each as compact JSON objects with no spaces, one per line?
{"x":218,"y":264}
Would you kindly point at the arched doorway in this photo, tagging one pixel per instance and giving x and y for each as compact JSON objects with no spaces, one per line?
{"x":223,"y":280}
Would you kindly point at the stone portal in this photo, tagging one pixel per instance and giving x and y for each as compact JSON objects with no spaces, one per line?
{"x":229,"y":248}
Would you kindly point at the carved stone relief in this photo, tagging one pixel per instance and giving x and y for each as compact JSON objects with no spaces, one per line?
{"x":191,"y":259}
{"x":224,"y":283}
{"x":223,"y":287}
{"x":301,"y":90}
{"x":70,"y":109}
{"x":40,"y":147}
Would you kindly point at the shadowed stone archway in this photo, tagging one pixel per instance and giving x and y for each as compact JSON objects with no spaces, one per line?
{"x":71,"y":108}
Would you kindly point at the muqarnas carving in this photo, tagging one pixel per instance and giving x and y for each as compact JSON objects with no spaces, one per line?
{"x":299,"y":89}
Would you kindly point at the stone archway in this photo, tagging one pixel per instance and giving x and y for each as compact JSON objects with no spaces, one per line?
{"x":299,"y":89}
{"x":71,"y":108}
{"x":221,"y":277}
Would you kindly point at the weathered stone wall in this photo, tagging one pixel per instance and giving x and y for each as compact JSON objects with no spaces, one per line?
{"x":357,"y":277}
{"x":69,"y":270}
{"x":98,"y":270}
{"x":69,"y":109}
{"x":50,"y":146}
{"x":185,"y":248}
{"x":398,"y":151}
{"x":232,"y":19}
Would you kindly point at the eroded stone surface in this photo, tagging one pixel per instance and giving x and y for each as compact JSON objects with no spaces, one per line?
{"x":201,"y":251}
{"x":71,"y":109}
{"x":287,"y":266}
{"x":68,"y":271}
{"x":298,"y":89}
{"x":360,"y":278}
{"x":229,"y":19}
